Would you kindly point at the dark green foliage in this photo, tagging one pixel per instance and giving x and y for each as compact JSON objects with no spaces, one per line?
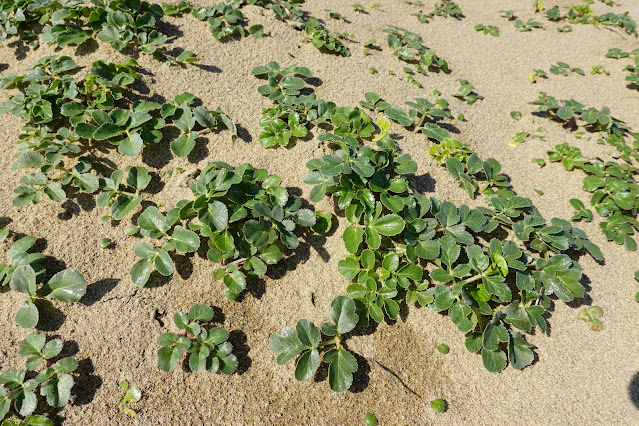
{"x":409,"y":47}
{"x":528,"y":25}
{"x":19,"y":388}
{"x":583,"y":14}
{"x":294,"y":112}
{"x":121,"y":23}
{"x":68,"y":122}
{"x":305,"y":342}
{"x":466,"y":92}
{"x":225,"y":19}
{"x":24,"y":274}
{"x":563,"y":69}
{"x":321,"y":38}
{"x":208,"y":348}
{"x":492,"y":289}
{"x":244,"y":216}
{"x":488,"y":29}
{"x":442,"y":9}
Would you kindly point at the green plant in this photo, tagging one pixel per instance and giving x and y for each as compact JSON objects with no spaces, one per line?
{"x":132,"y":395}
{"x":537,"y":73}
{"x":104,"y":242}
{"x":563,"y":69}
{"x":515,"y":115}
{"x":245,"y":215}
{"x":528,"y":25}
{"x":618,"y":53}
{"x":591,"y":315}
{"x":581,"y":212}
{"x":68,"y":122}
{"x":225,"y":19}
{"x":409,"y":47}
{"x":599,"y":69}
{"x":358,"y":8}
{"x":422,"y":115}
{"x":24,"y":274}
{"x":466,"y":92}
{"x":583,"y":14}
{"x":508,"y":14}
{"x":488,"y":29}
{"x":438,"y":406}
{"x":445,"y":9}
{"x":305,"y":342}
{"x":208,"y":348}
{"x":564,"y":29}
{"x":521,"y":137}
{"x":322,"y":38}
{"x":294,"y":112}
{"x":19,"y":388}
{"x":633,"y":69}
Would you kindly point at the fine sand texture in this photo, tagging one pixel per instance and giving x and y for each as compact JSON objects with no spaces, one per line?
{"x":579,"y":376}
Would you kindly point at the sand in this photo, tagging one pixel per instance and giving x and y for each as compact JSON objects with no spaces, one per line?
{"x":580,"y":376}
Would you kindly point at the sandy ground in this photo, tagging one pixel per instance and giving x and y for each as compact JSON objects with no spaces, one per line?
{"x":580,"y":376}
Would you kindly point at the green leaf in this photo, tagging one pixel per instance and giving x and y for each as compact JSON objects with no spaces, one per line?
{"x":168,"y":357}
{"x":494,"y":361}
{"x":66,"y":286}
{"x":340,"y":371}
{"x":519,"y":353}
{"x":32,"y":344}
{"x":57,"y":390}
{"x":389,"y":225}
{"x":201,"y":313}
{"x":183,"y":145}
{"x":131,"y":145}
{"x":287,"y":345}
{"x":141,"y":271}
{"x":353,"y":237}
{"x":307,"y":365}
{"x":215,"y":216}
{"x":107,"y":131}
{"x":185,"y":241}
{"x":343,"y":314}
{"x":27,"y":316}
{"x":197,"y":360}
{"x":307,"y":333}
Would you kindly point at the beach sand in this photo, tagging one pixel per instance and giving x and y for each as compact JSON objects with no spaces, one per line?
{"x":579,"y":376}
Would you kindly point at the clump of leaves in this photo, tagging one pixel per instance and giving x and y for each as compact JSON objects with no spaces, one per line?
{"x":225,"y":20}
{"x":294,"y":111}
{"x":208,"y":348}
{"x":409,"y":47}
{"x":521,"y":137}
{"x":466,"y":92}
{"x":592,"y":315}
{"x":599,"y":69}
{"x":616,"y":53}
{"x":322,"y":38}
{"x":396,"y":233}
{"x":121,"y":23}
{"x":633,"y":69}
{"x":615,"y":193}
{"x":132,"y":395}
{"x":528,"y":25}
{"x":537,"y":73}
{"x":583,"y":14}
{"x":305,"y":342}
{"x":508,"y":14}
{"x":488,"y":29}
{"x":53,"y":381}
{"x":25,"y":275}
{"x":69,"y":122}
{"x":445,"y":9}
{"x":244,"y":215}
{"x":581,"y":212}
{"x":563,"y":69}
{"x":422,"y":115}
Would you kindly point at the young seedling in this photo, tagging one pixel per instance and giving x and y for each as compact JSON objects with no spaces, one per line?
{"x":132,"y":395}
{"x":564,"y":29}
{"x":592,"y":316}
{"x":409,"y":47}
{"x":358,"y":8}
{"x":445,"y":9}
{"x":599,"y":69}
{"x":466,"y":93}
{"x":535,"y":74}
{"x":24,"y":274}
{"x":515,"y":115}
{"x":305,"y":342}
{"x":323,"y":39}
{"x":442,"y":348}
{"x":563,"y":69}
{"x":488,"y":29}
{"x":527,"y":26}
{"x":508,"y":14}
{"x":583,"y":14}
{"x":208,"y":348}
{"x":581,"y":212}
{"x":19,"y":388}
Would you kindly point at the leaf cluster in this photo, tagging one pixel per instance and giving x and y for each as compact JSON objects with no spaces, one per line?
{"x":24,"y":274}
{"x":306,"y":340}
{"x":492,"y":290}
{"x":225,"y":20}
{"x":244,"y":215}
{"x":528,"y":25}
{"x":323,"y":39}
{"x":422,"y":115}
{"x":294,"y":111}
{"x":409,"y":47}
{"x":19,"y":389}
{"x":583,"y":14}
{"x":67,"y":121}
{"x":615,"y":193}
{"x":488,"y":29}
{"x":208,"y":348}
{"x":563,"y":69}
{"x":466,"y":92}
